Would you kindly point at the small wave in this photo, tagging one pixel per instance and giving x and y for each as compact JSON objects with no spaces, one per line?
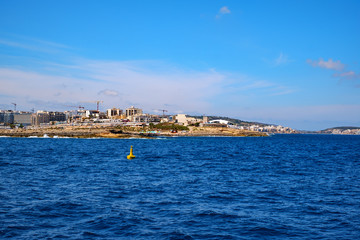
{"x":263,"y":231}
{"x":90,"y":234}
{"x":56,"y":136}
{"x":210,"y":213}
{"x":4,"y":164}
{"x":46,"y":136}
{"x":220,"y":197}
{"x":138,"y":138}
{"x":169,"y":202}
{"x":177,"y":235}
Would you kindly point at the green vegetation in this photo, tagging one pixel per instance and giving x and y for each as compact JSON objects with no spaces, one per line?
{"x":127,"y":129}
{"x":170,"y":126}
{"x":151,"y":127}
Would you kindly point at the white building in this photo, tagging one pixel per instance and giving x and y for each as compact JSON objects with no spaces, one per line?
{"x":92,"y":113}
{"x":221,"y":121}
{"x":184,"y":120}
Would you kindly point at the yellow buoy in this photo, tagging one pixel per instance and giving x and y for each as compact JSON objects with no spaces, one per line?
{"x":131,"y":155}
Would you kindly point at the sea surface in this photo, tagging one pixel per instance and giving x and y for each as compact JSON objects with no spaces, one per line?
{"x":278,"y":187}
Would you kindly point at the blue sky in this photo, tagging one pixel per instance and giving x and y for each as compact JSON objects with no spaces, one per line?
{"x":294,"y":63}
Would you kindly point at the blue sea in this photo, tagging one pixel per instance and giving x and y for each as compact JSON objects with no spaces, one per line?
{"x":278,"y":187}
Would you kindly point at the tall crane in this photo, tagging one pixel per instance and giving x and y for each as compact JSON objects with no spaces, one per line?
{"x":14,"y":106}
{"x":97,"y":103}
{"x":163,"y":110}
{"x":80,"y":107}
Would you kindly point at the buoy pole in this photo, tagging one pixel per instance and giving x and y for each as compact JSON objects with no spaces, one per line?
{"x":131,"y":155}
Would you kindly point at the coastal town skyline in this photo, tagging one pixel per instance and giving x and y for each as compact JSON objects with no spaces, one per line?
{"x":293,"y":64}
{"x":135,"y":117}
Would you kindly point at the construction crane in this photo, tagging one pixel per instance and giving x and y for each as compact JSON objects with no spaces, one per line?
{"x":163,"y":110}
{"x":14,"y":106}
{"x":97,"y":103}
{"x":80,"y":107}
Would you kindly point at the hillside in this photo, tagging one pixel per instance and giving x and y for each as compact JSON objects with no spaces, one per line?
{"x":341,"y":128}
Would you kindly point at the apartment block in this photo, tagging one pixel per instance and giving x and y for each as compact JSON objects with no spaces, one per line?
{"x":131,"y":111}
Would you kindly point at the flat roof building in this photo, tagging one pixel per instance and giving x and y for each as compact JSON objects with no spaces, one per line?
{"x":113,"y":112}
{"x":40,"y":117}
{"x":131,"y":111}
{"x":23,"y":118}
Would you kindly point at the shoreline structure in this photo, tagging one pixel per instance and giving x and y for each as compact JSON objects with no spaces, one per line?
{"x":125,"y":132}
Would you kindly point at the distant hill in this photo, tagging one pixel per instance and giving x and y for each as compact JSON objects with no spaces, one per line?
{"x":340,"y":128}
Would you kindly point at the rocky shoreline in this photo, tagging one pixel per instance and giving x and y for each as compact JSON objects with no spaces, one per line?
{"x":117,"y":132}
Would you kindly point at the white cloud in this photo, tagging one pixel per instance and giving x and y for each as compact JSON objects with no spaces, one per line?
{"x":330,"y":64}
{"x":34,"y":45}
{"x":282,"y":59}
{"x":246,"y":86}
{"x":347,"y":75}
{"x":123,"y":84}
{"x":224,"y":10}
{"x":108,"y":92}
{"x":339,"y":67}
{"x":145,"y":84}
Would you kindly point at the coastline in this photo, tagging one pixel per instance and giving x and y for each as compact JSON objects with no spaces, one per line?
{"x":122,"y":132}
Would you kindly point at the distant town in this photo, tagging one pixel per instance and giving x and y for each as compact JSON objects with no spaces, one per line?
{"x":135,"y":117}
